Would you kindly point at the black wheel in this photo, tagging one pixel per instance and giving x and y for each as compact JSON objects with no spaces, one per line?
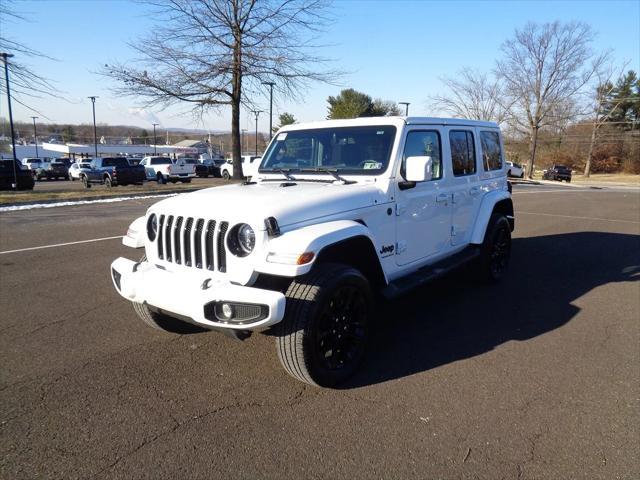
{"x":73,"y":179}
{"x":323,"y":337}
{"x":161,"y":179}
{"x":107,"y":182}
{"x":495,"y":250}
{"x":173,"y":180}
{"x":85,"y":182}
{"x":568,"y":180}
{"x":226,"y":175}
{"x":522,"y":175}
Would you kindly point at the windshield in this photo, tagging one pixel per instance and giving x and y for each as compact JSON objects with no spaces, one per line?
{"x":115,"y":162}
{"x":352,"y":150}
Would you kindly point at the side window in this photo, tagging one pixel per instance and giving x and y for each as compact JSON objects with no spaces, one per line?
{"x":491,"y":153}
{"x":463,"y":154}
{"x":424,"y":144}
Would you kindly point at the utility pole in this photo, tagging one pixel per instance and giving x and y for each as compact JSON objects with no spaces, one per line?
{"x":155,"y":141}
{"x":257,"y":114}
{"x":406,"y":107}
{"x":35,"y":134}
{"x":4,"y":56}
{"x":95,"y":133}
{"x":246,"y":139}
{"x":271,"y":84}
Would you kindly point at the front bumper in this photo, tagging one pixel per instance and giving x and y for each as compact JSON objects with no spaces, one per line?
{"x":192,"y":294}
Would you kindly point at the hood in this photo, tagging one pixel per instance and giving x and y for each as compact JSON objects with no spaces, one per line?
{"x":302,"y":201}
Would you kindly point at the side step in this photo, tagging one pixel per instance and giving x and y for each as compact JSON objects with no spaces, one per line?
{"x":430,"y":272}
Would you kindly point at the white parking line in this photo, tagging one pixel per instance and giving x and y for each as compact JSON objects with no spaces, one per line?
{"x":518,"y":212}
{"x":60,"y":244}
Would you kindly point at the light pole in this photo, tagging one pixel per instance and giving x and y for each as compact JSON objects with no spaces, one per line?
{"x":95,"y":133}
{"x":257,"y":114}
{"x":271,"y":84}
{"x":406,"y":107}
{"x":4,"y":56}
{"x":35,"y":134}
{"x":155,"y":142}
{"x":246,"y":139}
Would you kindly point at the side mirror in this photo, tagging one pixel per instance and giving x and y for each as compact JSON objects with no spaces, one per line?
{"x":418,"y":169}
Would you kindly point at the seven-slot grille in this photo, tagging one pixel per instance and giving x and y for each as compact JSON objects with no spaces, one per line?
{"x":193,"y":242}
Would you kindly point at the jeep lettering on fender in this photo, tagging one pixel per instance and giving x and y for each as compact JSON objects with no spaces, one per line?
{"x":338,"y":215}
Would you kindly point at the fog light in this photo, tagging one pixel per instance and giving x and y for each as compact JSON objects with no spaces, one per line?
{"x":227,"y":310}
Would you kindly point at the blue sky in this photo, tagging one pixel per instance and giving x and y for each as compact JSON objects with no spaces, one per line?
{"x":395,"y":50}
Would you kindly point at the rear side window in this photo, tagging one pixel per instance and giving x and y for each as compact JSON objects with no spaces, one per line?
{"x":491,"y":152}
{"x":424,"y":144}
{"x":463,"y":155}
{"x":115,"y":162}
{"x":161,"y":161}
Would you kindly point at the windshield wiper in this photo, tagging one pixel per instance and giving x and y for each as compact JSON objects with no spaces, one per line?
{"x":331,"y":171}
{"x":286,"y":174}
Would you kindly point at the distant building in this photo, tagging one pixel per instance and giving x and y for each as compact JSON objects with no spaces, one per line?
{"x":199,"y":145}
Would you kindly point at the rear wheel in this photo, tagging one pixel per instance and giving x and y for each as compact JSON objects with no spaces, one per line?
{"x":161,"y":179}
{"x":323,"y":337}
{"x":495,"y":251}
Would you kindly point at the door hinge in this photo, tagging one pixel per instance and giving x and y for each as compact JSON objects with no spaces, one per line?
{"x":401,"y":246}
{"x":400,"y":209}
{"x":453,"y":230}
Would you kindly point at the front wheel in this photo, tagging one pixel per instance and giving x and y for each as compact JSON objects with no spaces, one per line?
{"x":226,"y":175}
{"x":85,"y":182}
{"x":323,"y":337}
{"x":495,"y":251}
{"x":107,"y":182}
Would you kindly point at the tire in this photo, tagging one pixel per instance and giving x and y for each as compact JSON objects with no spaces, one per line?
{"x":495,"y":250}
{"x":161,"y":179}
{"x":568,"y":180}
{"x":85,"y":182}
{"x":73,"y":179}
{"x":226,"y":175}
{"x":173,"y":180}
{"x":160,"y":321}
{"x":107,"y":182}
{"x":303,"y":336}
{"x":522,"y":175}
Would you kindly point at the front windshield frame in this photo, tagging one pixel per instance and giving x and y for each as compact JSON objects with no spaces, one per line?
{"x":330,"y":137}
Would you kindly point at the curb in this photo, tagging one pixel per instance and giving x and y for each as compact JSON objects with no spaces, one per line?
{"x":99,"y":197}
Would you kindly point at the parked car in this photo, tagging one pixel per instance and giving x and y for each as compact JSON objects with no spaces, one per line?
{"x":22,"y":174}
{"x":111,"y":172}
{"x":250,"y":165}
{"x":53,"y":170}
{"x":213,"y":166}
{"x":514,"y":170}
{"x":32,"y":164}
{"x":164,"y":169}
{"x":341,"y":213}
{"x":76,"y":169}
{"x":557,"y":172}
{"x":201,"y":170}
{"x":65,"y":160}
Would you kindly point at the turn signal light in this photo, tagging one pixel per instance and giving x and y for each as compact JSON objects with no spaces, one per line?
{"x":305,"y":258}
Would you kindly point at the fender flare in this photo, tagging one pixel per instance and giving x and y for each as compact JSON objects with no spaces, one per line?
{"x":282,"y":252}
{"x":484,"y":214}
{"x":136,"y":233}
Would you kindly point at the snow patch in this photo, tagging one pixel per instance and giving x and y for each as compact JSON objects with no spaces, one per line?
{"x":14,"y":208}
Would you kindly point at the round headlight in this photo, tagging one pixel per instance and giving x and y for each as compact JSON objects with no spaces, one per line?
{"x":152,"y":227}
{"x":246,"y":238}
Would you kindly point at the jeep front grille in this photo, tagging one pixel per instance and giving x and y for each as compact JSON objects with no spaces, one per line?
{"x":193,"y":242}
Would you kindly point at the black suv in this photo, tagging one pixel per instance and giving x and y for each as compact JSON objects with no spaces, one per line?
{"x":24,"y":177}
{"x":557,"y":172}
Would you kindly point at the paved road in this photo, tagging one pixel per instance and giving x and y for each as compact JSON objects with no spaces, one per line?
{"x":536,"y":378}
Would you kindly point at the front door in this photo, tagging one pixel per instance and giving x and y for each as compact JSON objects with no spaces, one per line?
{"x":423,"y":210}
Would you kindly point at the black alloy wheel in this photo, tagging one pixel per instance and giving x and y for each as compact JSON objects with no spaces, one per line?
{"x":500,"y":250}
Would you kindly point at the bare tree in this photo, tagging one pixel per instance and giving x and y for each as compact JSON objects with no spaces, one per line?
{"x":543,"y":68}
{"x":24,"y":81}
{"x":472,"y":94}
{"x":601,"y":105}
{"x":213,"y":53}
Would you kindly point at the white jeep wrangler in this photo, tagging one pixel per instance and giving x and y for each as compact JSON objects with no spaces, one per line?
{"x":340,"y":214}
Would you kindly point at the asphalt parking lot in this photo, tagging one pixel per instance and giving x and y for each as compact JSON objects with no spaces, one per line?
{"x":534,"y":378}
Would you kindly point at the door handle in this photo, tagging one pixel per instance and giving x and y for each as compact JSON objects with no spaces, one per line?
{"x":442,"y":198}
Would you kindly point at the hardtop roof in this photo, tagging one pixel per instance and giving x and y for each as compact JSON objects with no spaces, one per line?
{"x":396,"y":121}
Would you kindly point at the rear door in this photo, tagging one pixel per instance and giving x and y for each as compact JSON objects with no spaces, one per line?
{"x":464,"y":185}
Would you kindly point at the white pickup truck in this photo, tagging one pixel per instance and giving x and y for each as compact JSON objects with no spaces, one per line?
{"x":164,"y":169}
{"x":250,"y":164}
{"x":340,"y":214}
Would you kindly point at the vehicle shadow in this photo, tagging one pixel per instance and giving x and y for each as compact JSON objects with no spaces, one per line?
{"x":457,"y":318}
